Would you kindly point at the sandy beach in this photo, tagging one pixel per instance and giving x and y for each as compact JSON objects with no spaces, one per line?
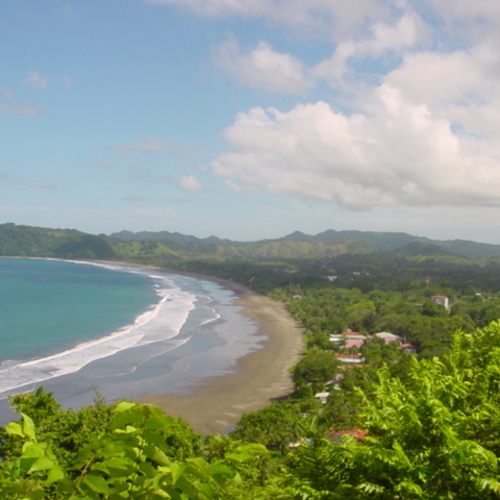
{"x":215,"y":404}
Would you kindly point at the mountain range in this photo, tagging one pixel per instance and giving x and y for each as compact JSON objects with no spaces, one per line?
{"x":32,"y":241}
{"x":329,"y":242}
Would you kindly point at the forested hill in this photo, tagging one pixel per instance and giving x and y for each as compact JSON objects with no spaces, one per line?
{"x":28,"y":241}
{"x":299,"y":244}
{"x":389,"y":241}
{"x":31,"y":241}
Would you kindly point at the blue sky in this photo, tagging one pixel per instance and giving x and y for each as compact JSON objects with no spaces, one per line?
{"x":252,"y":119}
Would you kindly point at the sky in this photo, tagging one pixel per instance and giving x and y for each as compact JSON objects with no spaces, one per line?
{"x":250,"y":119}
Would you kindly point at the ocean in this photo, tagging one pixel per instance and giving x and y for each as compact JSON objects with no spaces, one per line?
{"x":77,"y":328}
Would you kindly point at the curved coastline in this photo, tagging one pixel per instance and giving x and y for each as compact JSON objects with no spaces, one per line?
{"x":213,"y":405}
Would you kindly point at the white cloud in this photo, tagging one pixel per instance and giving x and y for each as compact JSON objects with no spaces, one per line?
{"x":263,"y":68}
{"x":465,"y":12}
{"x":35,"y":80}
{"x":235,"y":187}
{"x":383,"y":40}
{"x":189,"y":183}
{"x":11,"y":106}
{"x":400,"y":153}
{"x":312,"y":14}
{"x":414,"y":116}
{"x":270,"y":71}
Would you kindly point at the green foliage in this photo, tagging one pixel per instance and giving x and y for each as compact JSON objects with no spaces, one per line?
{"x":67,"y":431}
{"x":275,"y":426}
{"x":316,"y":368}
{"x":435,"y":436}
{"x":85,"y":246}
{"x":135,"y":458}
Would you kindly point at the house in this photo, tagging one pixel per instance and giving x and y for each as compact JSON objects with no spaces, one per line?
{"x":336,"y":436}
{"x":353,"y":335}
{"x":346,"y":336}
{"x":409,"y":348}
{"x":353,"y":343}
{"x":336,"y":338}
{"x":322,"y":396}
{"x":441,"y":300}
{"x":349,"y":358}
{"x":389,"y":337}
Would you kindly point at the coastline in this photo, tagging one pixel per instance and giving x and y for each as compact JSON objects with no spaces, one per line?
{"x":256,"y":372}
{"x":215,"y":404}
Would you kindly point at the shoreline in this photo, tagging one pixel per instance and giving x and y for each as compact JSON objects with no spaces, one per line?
{"x":215,"y":404}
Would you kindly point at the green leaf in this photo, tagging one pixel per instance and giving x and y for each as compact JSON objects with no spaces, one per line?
{"x":176,"y":470}
{"x":157,"y":455}
{"x":115,"y":466}
{"x":96,"y":483}
{"x":34,"y":449}
{"x":55,"y":474}
{"x":124,"y":406}
{"x":14,"y":429}
{"x":29,"y":427}
{"x":42,"y":463}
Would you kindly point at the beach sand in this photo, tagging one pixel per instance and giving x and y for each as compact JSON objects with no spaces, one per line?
{"x":214,"y":405}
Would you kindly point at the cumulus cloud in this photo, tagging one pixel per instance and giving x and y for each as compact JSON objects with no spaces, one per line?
{"x":264,"y":68}
{"x":271,"y":71}
{"x":384,"y":39}
{"x":412,"y":113}
{"x":399,"y":153}
{"x":189,"y":183}
{"x":35,"y":80}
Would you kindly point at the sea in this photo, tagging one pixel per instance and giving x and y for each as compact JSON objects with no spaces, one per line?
{"x":81,"y":329}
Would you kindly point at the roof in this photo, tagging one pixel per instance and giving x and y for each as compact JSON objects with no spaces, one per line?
{"x":322,"y":395}
{"x":354,"y":343}
{"x":357,"y":433}
{"x":384,"y":335}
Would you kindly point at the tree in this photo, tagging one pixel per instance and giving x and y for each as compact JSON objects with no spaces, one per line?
{"x":130,"y":460}
{"x":315,"y":369}
{"x":67,"y":431}
{"x":275,"y":426}
{"x":436,"y":436}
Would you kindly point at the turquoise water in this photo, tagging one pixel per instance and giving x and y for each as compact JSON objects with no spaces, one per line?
{"x":77,"y":327}
{"x":47,"y":305}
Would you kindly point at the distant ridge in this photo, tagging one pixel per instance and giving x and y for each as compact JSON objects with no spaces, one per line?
{"x":387,"y":241}
{"x":70,"y":243}
{"x":420,"y":248}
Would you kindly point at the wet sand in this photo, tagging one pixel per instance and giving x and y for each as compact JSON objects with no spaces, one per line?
{"x":215,"y":404}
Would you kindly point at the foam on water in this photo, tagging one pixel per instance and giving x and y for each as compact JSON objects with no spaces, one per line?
{"x":161,"y":324}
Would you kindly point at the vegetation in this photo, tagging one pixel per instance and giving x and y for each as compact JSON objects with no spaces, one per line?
{"x":394,"y":426}
{"x":433,"y":434}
